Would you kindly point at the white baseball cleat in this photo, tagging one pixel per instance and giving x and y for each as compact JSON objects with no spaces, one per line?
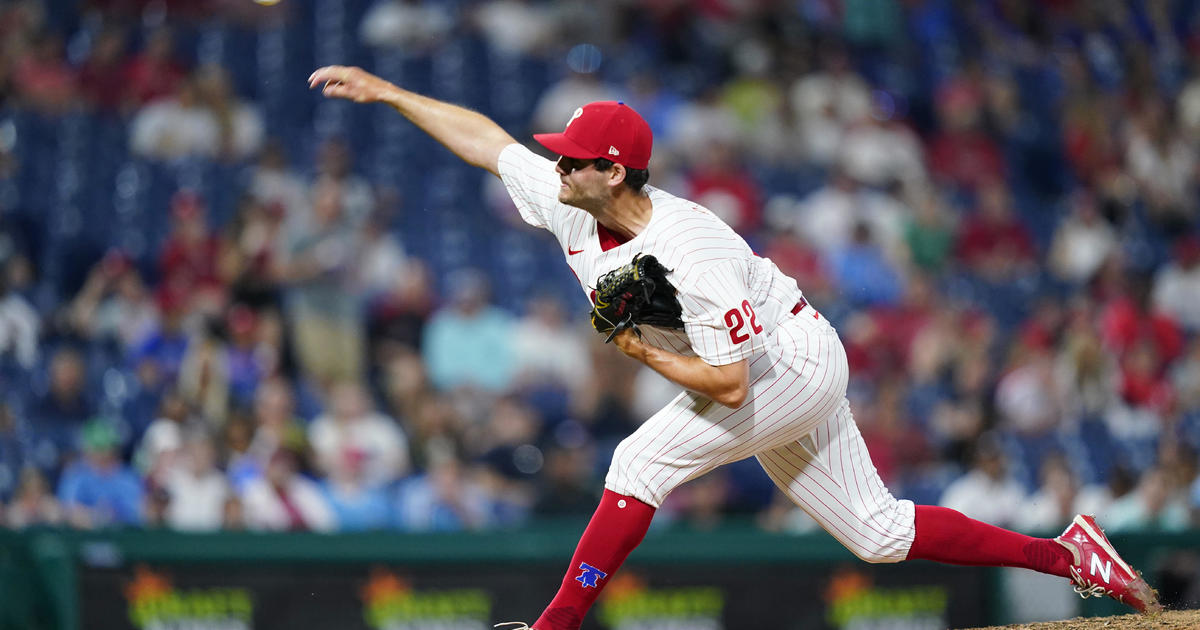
{"x":513,"y":625}
{"x":1098,"y":570}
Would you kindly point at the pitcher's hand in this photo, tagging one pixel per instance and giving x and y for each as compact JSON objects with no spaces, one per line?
{"x":630,"y":343}
{"x":350,"y":83}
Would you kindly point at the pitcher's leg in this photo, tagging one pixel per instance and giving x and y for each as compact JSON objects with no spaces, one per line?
{"x":949,"y":536}
{"x":616,"y":528}
{"x":686,"y":439}
{"x":829,"y":474}
{"x":692,"y":435}
{"x":1082,"y":554}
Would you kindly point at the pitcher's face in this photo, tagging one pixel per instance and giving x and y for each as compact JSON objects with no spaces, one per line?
{"x":583,"y":186}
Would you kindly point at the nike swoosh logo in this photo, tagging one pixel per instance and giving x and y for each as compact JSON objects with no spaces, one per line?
{"x":572,"y":252}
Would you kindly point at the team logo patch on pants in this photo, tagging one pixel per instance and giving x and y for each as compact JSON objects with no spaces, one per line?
{"x":590,"y":575}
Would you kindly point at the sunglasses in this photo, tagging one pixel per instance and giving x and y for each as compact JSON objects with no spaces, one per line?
{"x":570,"y":165}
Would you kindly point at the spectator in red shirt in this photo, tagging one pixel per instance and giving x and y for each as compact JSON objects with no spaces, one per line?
{"x":189,"y":259}
{"x":1127,"y":319}
{"x":1043,"y":328}
{"x":902,"y":322}
{"x":962,"y":154}
{"x":797,"y":258}
{"x":879,"y":342}
{"x":1144,"y":382}
{"x":898,"y":447}
{"x":721,"y":183}
{"x":102,"y":75}
{"x":153,"y":73}
{"x":993,"y":242}
{"x":1089,"y":143}
{"x":43,"y":79}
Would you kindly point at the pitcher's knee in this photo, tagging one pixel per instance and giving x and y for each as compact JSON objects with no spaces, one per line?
{"x":885,"y":535}
{"x":637,"y":491}
{"x":631,"y":487}
{"x":631,"y":472}
{"x":880,"y":554}
{"x":625,"y":460}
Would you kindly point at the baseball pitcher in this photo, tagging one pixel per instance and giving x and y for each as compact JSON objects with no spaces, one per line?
{"x":762,"y":373}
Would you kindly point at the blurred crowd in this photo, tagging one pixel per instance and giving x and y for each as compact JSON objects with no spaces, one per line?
{"x":995,"y":202}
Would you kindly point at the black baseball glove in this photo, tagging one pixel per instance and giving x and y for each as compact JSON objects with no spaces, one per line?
{"x":636,"y":293}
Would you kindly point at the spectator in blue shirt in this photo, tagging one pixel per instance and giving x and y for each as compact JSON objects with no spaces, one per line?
{"x":100,"y":490}
{"x":359,"y":505}
{"x":864,"y":272}
{"x":57,"y":415}
{"x":467,"y":345}
{"x":169,"y":343}
{"x":444,"y":499}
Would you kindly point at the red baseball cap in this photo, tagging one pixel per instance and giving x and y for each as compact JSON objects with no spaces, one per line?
{"x":604,"y":129}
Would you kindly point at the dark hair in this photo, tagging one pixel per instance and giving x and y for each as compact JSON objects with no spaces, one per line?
{"x":635,"y":178}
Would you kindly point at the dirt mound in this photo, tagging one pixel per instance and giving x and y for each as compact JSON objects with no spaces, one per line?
{"x":1170,"y":620}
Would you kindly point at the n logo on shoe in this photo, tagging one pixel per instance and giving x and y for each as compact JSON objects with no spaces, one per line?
{"x":590,"y":575}
{"x":1105,"y":570}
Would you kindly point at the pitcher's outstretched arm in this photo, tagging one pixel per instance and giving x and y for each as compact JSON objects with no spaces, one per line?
{"x":473,"y":137}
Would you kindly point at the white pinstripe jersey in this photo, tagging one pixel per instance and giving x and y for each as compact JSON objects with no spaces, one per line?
{"x":732,"y":299}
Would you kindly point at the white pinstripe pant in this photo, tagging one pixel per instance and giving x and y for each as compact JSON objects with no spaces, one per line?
{"x":797,"y":422}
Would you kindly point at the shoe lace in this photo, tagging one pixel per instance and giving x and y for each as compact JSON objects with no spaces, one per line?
{"x":1086,"y":590}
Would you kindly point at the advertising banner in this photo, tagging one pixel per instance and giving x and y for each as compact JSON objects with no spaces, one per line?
{"x":919,"y":596}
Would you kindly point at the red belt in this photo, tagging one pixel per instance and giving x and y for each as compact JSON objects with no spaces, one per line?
{"x":800,"y":306}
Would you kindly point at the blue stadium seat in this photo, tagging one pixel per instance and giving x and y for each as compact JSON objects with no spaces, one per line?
{"x":1098,"y":447}
{"x":1009,"y":302}
{"x":1024,"y":458}
{"x":1078,"y":457}
{"x":466,"y":79}
{"x":1039,"y":217}
{"x":1138,"y":453}
{"x":926,"y":485}
{"x":797,"y":182}
{"x":751,"y":490}
{"x":515,"y":85}
{"x":922,"y":400}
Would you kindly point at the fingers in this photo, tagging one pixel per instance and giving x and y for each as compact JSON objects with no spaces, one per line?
{"x":319,"y":75}
{"x":334,"y":79}
{"x":334,"y":90}
{"x":328,"y":74}
{"x":348,"y":82}
{"x":324,"y":74}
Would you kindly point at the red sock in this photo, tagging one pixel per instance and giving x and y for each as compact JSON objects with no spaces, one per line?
{"x":616,"y":528}
{"x":945,"y":535}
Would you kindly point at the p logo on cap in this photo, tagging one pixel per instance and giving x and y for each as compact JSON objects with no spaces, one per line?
{"x":577,"y":114}
{"x":604,"y":129}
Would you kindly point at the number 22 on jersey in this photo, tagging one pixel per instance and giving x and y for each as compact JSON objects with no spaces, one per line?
{"x":736,"y":322}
